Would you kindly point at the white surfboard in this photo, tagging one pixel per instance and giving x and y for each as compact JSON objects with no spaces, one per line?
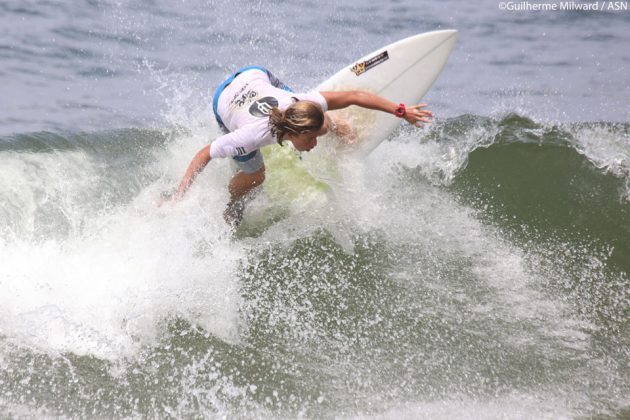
{"x":402,"y":72}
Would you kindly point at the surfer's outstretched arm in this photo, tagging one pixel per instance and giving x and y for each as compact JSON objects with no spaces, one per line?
{"x":413,"y":114}
{"x":197,"y":164}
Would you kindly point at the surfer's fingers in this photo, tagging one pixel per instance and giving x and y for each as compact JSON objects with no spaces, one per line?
{"x":164,"y":200}
{"x":423,"y":117}
{"x":418,"y":106}
{"x":415,"y":109}
{"x":417,"y":121}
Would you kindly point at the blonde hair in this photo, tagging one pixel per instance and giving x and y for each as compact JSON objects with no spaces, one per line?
{"x":300,"y":117}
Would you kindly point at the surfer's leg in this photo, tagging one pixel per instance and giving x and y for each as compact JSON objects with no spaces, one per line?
{"x":242,"y":187}
{"x":242,"y":183}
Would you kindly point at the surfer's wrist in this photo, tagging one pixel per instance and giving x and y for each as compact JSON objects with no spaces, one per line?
{"x":400,"y":111}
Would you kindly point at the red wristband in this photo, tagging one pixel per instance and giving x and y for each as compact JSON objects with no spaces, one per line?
{"x":401,"y":111}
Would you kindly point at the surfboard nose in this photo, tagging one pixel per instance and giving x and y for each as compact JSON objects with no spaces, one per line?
{"x":439,"y":36}
{"x":450,"y":36}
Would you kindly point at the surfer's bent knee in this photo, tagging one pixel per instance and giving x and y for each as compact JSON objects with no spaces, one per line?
{"x":259,"y":175}
{"x":252,"y":178}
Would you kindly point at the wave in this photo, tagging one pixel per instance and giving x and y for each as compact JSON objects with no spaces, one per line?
{"x":570,"y":177}
{"x":547,"y":181}
{"x":487,"y":260}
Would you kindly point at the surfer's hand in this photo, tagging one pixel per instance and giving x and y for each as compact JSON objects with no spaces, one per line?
{"x":416,"y":115}
{"x":162,"y":201}
{"x":344,"y":130}
{"x":166,"y":199}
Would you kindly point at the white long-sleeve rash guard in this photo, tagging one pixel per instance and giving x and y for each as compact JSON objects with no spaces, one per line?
{"x":244,"y":107}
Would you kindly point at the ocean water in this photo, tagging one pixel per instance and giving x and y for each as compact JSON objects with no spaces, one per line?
{"x":476,"y":268}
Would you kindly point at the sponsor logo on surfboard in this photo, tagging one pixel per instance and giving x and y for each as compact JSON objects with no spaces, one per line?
{"x":363,"y":66}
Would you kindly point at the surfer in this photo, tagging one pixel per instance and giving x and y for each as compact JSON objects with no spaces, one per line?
{"x":255,"y":109}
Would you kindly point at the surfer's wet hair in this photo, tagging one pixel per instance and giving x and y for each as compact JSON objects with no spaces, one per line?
{"x":300,"y":117}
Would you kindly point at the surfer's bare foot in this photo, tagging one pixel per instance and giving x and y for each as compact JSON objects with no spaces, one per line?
{"x":233,"y":214}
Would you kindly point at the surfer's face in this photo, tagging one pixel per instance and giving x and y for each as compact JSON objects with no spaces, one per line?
{"x":306,"y":141}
